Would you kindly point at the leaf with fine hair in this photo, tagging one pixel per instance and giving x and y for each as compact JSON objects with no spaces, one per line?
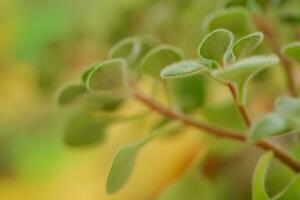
{"x":85,"y":74}
{"x":216,"y":46}
{"x":123,"y":162}
{"x":258,"y":180}
{"x":292,"y":50}
{"x":109,"y":78}
{"x":84,"y":129}
{"x":132,"y":49}
{"x":247,"y":44}
{"x":160,"y":57}
{"x":70,"y":94}
{"x":289,"y":107}
{"x":184,"y":69}
{"x":237,"y":20}
{"x":273,"y":124}
{"x":242,"y":71}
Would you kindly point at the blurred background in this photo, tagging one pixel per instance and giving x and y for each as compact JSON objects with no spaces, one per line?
{"x":47,"y":43}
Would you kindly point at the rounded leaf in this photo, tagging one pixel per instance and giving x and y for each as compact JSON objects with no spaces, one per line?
{"x":271,"y":125}
{"x":184,"y":69}
{"x":236,"y":20}
{"x":70,"y":93}
{"x":84,"y":129}
{"x":247,"y":44}
{"x":160,"y":57}
{"x":132,"y":49}
{"x":292,"y":50}
{"x":109,"y":78}
{"x":216,"y":46}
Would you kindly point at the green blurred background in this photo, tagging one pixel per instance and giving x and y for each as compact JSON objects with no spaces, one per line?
{"x":46,"y":43}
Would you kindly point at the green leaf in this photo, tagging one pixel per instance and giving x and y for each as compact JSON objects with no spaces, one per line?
{"x":271,"y":125}
{"x":289,"y":107}
{"x":123,"y":163}
{"x":70,"y":93}
{"x":85,"y":129}
{"x":216,"y":46}
{"x":109,"y":78}
{"x":247,"y":44}
{"x":291,"y":191}
{"x":184,"y":69}
{"x":160,"y":57}
{"x":190,"y":187}
{"x":188,"y":92}
{"x":132,"y":49}
{"x":242,"y":71}
{"x":258,"y":181}
{"x":292,"y":50}
{"x":236,"y":20}
{"x":100,"y":103}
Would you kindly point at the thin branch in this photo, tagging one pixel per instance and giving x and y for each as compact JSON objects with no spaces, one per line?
{"x":242,"y":109}
{"x":278,"y":152}
{"x":269,"y":31}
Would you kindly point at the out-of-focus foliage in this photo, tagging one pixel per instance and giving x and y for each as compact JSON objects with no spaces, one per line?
{"x":45,"y":44}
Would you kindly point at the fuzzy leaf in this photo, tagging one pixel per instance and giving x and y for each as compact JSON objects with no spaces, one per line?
{"x":184,"y":69}
{"x":271,"y":125}
{"x":109,"y":78}
{"x":160,"y":57}
{"x":247,"y":44}
{"x":292,"y":50}
{"x":123,"y":163}
{"x":84,"y":129}
{"x":289,"y":107}
{"x":70,"y":93}
{"x":216,"y":46}
{"x":100,"y":103}
{"x":132,"y":49}
{"x":242,"y":71}
{"x":236,"y":20}
{"x":258,"y":181}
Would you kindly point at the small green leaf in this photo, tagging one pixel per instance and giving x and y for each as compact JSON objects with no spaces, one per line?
{"x":236,"y":20}
{"x":127,"y":48}
{"x":123,"y":163}
{"x":188,"y":92}
{"x":109,"y":78}
{"x":247,"y":44}
{"x":242,"y":71}
{"x":216,"y":46}
{"x":132,"y":49}
{"x":258,"y":181}
{"x":160,"y":57}
{"x":190,"y":187}
{"x":70,"y":93}
{"x":184,"y":69}
{"x":271,"y":125}
{"x":84,"y":129}
{"x":292,"y":50}
{"x":289,"y":107}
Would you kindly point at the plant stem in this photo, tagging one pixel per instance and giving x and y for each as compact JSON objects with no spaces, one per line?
{"x":222,"y":133}
{"x":241,"y":108}
{"x":266,"y":27}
